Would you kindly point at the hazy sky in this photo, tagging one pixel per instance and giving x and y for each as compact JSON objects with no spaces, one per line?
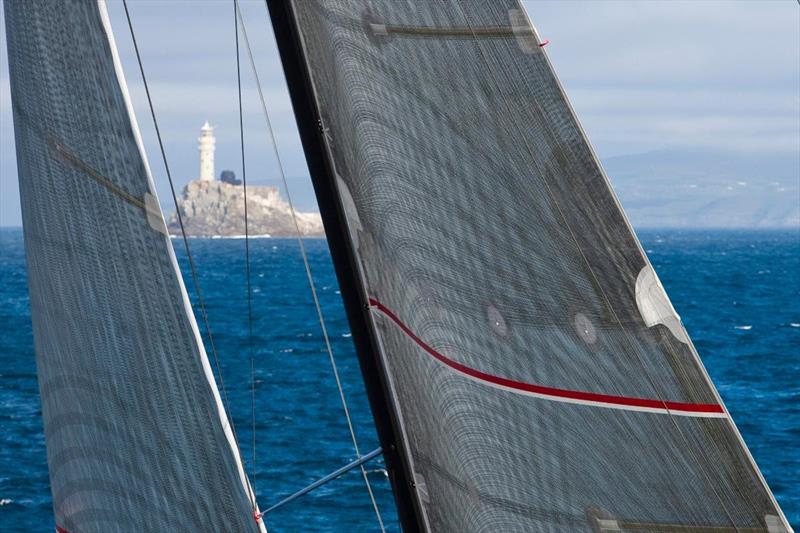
{"x":642,"y":75}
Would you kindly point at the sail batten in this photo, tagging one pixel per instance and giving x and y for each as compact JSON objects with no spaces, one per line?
{"x":538,"y":377}
{"x":454,"y":31}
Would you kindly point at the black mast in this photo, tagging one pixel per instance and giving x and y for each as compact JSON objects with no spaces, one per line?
{"x":356,"y":303}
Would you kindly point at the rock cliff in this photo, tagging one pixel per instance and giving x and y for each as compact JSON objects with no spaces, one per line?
{"x":215,"y":208}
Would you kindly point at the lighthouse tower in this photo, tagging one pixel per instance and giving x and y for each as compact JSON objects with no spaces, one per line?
{"x":205,"y":144}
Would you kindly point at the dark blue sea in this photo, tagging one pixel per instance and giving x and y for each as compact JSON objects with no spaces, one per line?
{"x":738,"y":293}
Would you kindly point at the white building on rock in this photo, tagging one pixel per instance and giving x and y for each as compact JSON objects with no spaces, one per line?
{"x":205,"y":144}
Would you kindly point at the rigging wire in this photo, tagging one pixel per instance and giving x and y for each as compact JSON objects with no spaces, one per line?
{"x":308,"y":271}
{"x":247,"y":256}
{"x":192,"y":268}
{"x":530,"y":150}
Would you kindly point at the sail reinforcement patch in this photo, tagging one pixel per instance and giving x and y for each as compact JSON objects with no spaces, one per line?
{"x":526,"y":40}
{"x":496,"y":320}
{"x":654,"y":305}
{"x":585,"y":328}
{"x":153,"y":212}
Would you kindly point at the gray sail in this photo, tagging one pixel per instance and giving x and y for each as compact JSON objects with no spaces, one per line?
{"x":541,"y":379}
{"x":136,"y":436}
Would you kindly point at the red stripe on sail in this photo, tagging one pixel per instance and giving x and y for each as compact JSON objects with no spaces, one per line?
{"x":609,"y":399}
{"x":60,"y":529}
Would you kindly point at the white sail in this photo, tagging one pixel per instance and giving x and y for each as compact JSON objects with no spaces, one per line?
{"x":137,"y":439}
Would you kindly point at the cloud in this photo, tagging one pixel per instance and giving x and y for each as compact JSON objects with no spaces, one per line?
{"x":642,"y":76}
{"x":649,"y":75}
{"x":694,"y":42}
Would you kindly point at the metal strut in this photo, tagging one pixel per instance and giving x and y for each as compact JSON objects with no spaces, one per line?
{"x":333,"y":475}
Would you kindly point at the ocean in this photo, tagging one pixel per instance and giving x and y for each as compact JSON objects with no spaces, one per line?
{"x":738,"y":293}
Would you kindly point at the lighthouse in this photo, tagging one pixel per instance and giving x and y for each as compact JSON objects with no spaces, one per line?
{"x":205,"y":143}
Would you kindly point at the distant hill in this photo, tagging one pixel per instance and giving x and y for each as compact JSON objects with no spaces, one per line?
{"x":661,"y":189}
{"x":684,"y":188}
{"x":216,"y":209}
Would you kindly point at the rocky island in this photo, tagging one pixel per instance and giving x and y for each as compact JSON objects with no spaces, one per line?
{"x":215,"y":208}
